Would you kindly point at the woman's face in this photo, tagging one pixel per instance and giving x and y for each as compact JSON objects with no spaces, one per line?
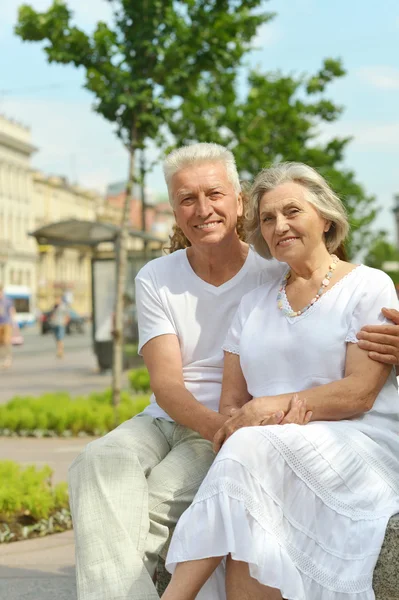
{"x":290,"y":225}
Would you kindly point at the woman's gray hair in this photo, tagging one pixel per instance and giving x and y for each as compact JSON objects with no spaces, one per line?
{"x":186,"y":156}
{"x":318,"y":193}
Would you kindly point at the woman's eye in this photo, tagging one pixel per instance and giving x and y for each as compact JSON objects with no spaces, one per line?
{"x":266,"y":219}
{"x":293,"y":211}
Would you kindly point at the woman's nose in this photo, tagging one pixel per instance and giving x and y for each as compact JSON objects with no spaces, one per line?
{"x":281,"y":224}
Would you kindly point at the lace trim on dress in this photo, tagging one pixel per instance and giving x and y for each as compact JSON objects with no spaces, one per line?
{"x":339,"y":283}
{"x":324,"y":494}
{"x":303,"y":562}
{"x":231,"y":349}
{"x":351,"y":337}
{"x":377,"y":465}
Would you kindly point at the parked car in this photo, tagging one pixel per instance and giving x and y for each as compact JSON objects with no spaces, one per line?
{"x":76,"y":322}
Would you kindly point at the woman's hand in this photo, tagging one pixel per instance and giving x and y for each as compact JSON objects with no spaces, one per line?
{"x":297,"y":412}
{"x":253,"y":413}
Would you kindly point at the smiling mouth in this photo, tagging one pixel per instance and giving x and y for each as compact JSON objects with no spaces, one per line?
{"x":286,"y":241}
{"x":206,"y":226}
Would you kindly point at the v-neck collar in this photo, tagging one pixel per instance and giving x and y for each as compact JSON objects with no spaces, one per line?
{"x":314,"y":306}
{"x":219,"y":289}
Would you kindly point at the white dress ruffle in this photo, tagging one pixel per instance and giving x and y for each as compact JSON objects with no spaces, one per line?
{"x":305,"y":507}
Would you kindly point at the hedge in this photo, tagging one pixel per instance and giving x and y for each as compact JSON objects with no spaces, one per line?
{"x":29,"y":504}
{"x":60,"y":414}
{"x":139,"y":380}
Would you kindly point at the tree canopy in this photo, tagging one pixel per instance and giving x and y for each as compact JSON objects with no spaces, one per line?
{"x":279,"y":118}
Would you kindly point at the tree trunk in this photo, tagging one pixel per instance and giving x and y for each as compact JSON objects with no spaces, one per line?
{"x":142,"y":190}
{"x":121,"y":268}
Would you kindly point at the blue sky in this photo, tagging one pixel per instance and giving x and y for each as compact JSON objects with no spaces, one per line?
{"x":74,"y":141}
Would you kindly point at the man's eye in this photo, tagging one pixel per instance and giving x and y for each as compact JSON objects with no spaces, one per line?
{"x":266,"y":219}
{"x":293,"y":211}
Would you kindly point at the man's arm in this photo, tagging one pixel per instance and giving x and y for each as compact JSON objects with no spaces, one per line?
{"x":382,"y":341}
{"x":163,"y":360}
{"x":234,"y":387}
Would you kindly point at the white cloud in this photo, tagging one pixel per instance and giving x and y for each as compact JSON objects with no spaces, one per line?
{"x":76,"y":142}
{"x":267,"y":35}
{"x":367,"y":135}
{"x":382,"y":77}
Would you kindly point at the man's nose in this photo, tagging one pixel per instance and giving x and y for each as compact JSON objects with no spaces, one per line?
{"x":204,"y":207}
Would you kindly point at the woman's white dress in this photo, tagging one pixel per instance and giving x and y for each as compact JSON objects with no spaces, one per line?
{"x":306,"y":506}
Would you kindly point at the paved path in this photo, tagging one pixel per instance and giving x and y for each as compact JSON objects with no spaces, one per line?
{"x":36,"y":369}
{"x":40,"y":569}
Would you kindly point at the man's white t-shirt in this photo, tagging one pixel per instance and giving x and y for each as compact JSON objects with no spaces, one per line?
{"x":172,"y":299}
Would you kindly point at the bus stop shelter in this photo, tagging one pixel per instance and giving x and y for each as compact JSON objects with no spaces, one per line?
{"x":101,"y":239}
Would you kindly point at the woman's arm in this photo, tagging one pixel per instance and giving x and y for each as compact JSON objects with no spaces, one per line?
{"x":349,"y":397}
{"x":234,"y":387}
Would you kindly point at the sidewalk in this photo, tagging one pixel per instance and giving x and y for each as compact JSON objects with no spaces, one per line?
{"x":42,"y":568}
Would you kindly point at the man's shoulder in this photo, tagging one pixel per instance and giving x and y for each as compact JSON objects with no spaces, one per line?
{"x":162,"y":265}
{"x":269,"y":269}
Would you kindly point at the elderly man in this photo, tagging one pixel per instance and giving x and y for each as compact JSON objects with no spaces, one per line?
{"x":130,"y":487}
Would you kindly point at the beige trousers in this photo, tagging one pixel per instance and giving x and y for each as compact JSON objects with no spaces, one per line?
{"x":127,"y":490}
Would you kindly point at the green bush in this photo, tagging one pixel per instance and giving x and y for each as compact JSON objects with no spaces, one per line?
{"x":27,"y":491}
{"x":139,"y":380}
{"x":58,"y":413}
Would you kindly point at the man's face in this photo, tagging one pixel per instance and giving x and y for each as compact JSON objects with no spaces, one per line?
{"x":205,"y":204}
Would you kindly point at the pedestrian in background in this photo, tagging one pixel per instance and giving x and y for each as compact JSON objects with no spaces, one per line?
{"x":7,"y":313}
{"x":59,"y":320}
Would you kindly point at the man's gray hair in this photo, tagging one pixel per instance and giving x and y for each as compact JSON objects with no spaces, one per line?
{"x":318,"y":193}
{"x":187,"y":156}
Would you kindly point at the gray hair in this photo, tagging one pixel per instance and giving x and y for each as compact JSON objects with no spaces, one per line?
{"x":318,"y":193}
{"x":194,"y":154}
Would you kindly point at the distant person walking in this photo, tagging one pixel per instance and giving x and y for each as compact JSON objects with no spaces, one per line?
{"x":7,"y":313}
{"x":59,"y":320}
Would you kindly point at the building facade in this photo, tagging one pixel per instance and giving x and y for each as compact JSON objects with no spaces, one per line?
{"x":29,"y":200}
{"x":18,"y":253}
{"x":65,"y":271}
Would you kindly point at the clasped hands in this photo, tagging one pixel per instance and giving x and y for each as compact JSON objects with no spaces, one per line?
{"x":254,"y":413}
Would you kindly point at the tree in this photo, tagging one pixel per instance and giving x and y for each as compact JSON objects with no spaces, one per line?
{"x":279,"y":118}
{"x":381,"y":252}
{"x":139,"y":71}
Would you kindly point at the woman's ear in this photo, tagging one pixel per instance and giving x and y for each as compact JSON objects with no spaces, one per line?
{"x":327,"y":226}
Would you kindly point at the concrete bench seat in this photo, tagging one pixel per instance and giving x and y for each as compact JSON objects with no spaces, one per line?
{"x":386,"y":574}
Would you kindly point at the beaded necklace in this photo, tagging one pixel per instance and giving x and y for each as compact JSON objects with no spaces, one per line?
{"x":324,"y":284}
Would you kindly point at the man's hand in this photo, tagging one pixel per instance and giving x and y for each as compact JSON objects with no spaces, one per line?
{"x":382,"y":341}
{"x":253,"y":413}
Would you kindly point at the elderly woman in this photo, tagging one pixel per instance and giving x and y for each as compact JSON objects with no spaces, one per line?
{"x":297,"y":511}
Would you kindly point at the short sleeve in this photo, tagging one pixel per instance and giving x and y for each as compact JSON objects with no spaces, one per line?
{"x":232,"y":340}
{"x":380,"y":293}
{"x":151,"y":314}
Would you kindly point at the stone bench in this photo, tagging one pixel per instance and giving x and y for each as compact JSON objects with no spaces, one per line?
{"x":386,"y":574}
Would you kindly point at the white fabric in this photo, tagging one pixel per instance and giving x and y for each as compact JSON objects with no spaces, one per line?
{"x":305,"y":506}
{"x":172,"y":299}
